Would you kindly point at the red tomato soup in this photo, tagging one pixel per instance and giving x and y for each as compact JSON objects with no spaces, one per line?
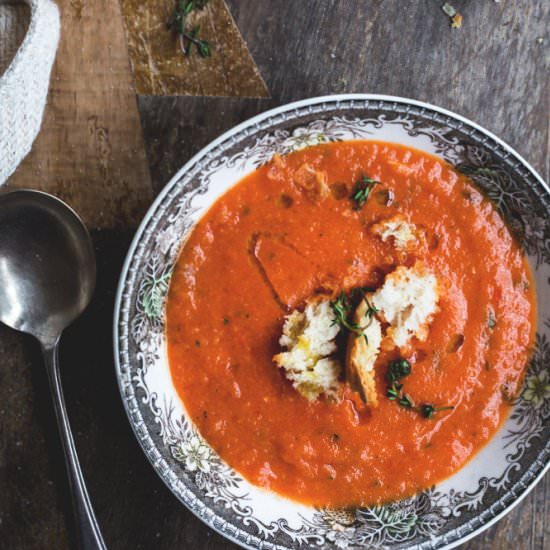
{"x":271,"y":242}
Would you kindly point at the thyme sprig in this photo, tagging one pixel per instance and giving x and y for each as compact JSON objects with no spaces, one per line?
{"x":343,"y":308}
{"x":189,"y":38}
{"x":406,"y":402}
{"x":394,"y":391}
{"x":397,"y":370}
{"x":400,"y":368}
{"x":362,"y":190}
{"x":427,"y":410}
{"x":371,"y":309}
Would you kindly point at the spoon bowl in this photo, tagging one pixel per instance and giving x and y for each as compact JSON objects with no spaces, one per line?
{"x":47,"y":264}
{"x":47,"y":278}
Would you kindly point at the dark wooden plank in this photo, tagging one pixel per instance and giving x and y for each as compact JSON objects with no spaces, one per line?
{"x":493,"y":70}
{"x":526,"y":527}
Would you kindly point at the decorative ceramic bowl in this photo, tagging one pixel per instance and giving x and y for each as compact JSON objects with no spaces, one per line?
{"x":443,"y":516}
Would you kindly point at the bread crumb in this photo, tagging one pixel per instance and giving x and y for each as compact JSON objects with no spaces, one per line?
{"x":313,"y":183}
{"x":456,"y":18}
{"x":309,"y":337}
{"x":448,"y":9}
{"x":407,"y":301}
{"x":398,"y":230}
{"x":456,"y":21}
{"x":362,"y":351}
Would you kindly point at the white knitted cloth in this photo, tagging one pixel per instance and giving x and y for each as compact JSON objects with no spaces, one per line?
{"x":24,"y":85}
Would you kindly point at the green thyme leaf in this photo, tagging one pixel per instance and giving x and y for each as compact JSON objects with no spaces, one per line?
{"x":400,"y":368}
{"x":406,"y":402}
{"x":427,"y":410}
{"x":342,"y":308}
{"x":189,"y":38}
{"x":448,"y":9}
{"x":362,"y":190}
{"x":394,"y":391}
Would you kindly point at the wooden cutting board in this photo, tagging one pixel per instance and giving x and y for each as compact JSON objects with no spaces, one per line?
{"x":90,"y":151}
{"x":160,"y":68}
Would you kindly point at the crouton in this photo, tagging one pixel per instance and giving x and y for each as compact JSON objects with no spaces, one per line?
{"x":404,"y":235}
{"x":277,"y":168}
{"x":407,"y":301}
{"x":309,"y":337}
{"x":362,"y":351}
{"x":312,"y":182}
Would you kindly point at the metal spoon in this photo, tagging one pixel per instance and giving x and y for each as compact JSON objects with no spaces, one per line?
{"x":47,"y":278}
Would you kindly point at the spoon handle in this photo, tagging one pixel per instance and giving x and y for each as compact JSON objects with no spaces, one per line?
{"x":88,"y":533}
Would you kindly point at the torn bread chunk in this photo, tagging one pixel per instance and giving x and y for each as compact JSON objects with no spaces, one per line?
{"x":309,"y":337}
{"x":404,"y":235}
{"x":362,"y":351}
{"x":311,"y":182}
{"x":407,"y":301}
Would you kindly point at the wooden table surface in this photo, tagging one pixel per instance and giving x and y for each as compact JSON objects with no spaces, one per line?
{"x":494,"y":70}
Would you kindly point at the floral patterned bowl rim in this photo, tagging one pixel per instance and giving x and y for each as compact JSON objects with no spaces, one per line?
{"x":488,"y":487}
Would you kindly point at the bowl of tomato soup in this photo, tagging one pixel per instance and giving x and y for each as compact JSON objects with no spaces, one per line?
{"x":332,"y":328}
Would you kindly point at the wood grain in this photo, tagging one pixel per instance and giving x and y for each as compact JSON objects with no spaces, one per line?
{"x":90,"y":150}
{"x":14,"y":21}
{"x":493,"y":70}
{"x":160,"y":68}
